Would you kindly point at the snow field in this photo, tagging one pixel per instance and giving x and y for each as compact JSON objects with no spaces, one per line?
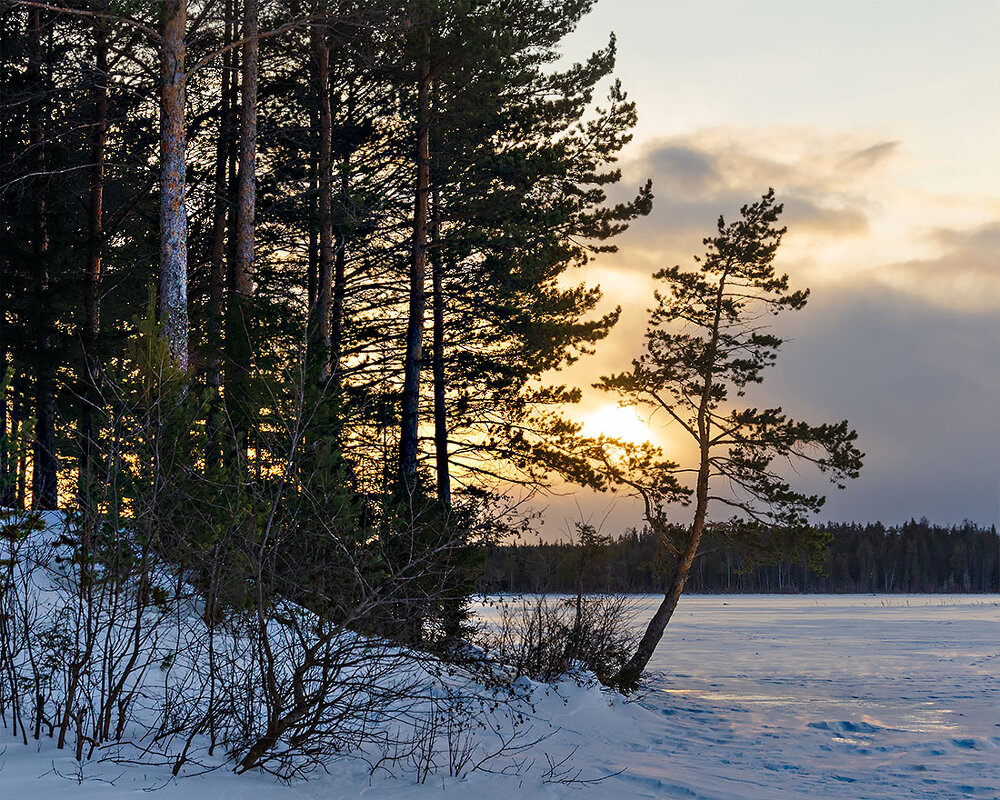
{"x":749,"y":698}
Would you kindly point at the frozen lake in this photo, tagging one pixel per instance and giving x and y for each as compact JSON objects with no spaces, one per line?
{"x":928,"y":664}
{"x":815,"y":696}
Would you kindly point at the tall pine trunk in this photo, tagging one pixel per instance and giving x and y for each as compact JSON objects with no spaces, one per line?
{"x":20,"y":409}
{"x":217,"y":274}
{"x":321,"y":329}
{"x":238,"y":349}
{"x":92,"y":278}
{"x":340,"y":265}
{"x":7,"y":493}
{"x":442,"y":468}
{"x":45,"y":472}
{"x":6,"y":475}
{"x":418,"y":272}
{"x":312,"y":265}
{"x":173,"y":182}
{"x":340,"y":278}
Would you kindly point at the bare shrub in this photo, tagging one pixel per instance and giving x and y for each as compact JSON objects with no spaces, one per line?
{"x":179,"y":613}
{"x":546,"y":637}
{"x":197,"y":617}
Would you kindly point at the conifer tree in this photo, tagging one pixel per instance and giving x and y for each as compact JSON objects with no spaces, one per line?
{"x":707,"y":341}
{"x":91,"y":323}
{"x":517,"y":199}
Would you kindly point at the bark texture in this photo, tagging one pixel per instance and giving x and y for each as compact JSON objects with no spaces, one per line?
{"x":239,"y":316}
{"x":173,"y":182}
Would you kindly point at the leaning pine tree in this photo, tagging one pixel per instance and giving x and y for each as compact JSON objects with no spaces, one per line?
{"x":707,"y":341}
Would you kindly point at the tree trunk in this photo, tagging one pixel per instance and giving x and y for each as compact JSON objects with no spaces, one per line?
{"x":418,"y":268}
{"x":6,"y":484}
{"x":90,"y":378}
{"x":247,"y":177}
{"x":437,"y":358}
{"x":7,"y":489}
{"x":628,"y":676}
{"x":45,"y":472}
{"x":312,"y":265}
{"x":325,"y":267}
{"x":8,"y":495}
{"x":17,"y":426}
{"x":340,"y":277}
{"x":340,"y":265}
{"x":238,"y":348}
{"x":217,"y":275}
{"x":173,"y":183}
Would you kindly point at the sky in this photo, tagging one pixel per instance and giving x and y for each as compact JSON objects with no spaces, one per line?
{"x":876,"y":122}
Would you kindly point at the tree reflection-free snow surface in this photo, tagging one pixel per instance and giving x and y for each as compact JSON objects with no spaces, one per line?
{"x":829,"y":696}
{"x":812,"y":697}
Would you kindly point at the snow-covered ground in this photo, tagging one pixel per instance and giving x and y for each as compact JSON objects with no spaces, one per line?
{"x":752,"y":698}
{"x":855,"y":696}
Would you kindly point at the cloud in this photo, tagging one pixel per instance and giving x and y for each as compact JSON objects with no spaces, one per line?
{"x":803,"y":213}
{"x":685,"y":167}
{"x":871,"y":156}
{"x":822,"y":181}
{"x":849,"y":213}
{"x":900,"y":333}
{"x":964,"y":274}
{"x":982,"y":238}
{"x":919,"y":382}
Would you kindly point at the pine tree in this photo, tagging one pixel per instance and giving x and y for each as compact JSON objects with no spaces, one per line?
{"x":517,"y":199}
{"x":705,"y":344}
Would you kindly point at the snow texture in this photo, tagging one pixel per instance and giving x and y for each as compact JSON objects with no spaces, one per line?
{"x":759,"y":697}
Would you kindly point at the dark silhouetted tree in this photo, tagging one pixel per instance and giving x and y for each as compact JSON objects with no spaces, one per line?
{"x":707,"y":341}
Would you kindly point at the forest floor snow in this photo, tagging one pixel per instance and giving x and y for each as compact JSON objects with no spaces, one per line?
{"x":750,"y":698}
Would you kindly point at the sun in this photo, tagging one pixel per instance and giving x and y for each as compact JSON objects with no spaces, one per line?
{"x":619,"y":422}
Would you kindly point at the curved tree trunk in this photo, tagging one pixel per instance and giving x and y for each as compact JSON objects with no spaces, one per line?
{"x":629,"y":675}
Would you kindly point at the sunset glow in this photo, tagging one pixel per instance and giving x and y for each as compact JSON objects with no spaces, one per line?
{"x":888,"y":171}
{"x":617,"y":422}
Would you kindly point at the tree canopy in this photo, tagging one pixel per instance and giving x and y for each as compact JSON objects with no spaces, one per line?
{"x":707,"y":341}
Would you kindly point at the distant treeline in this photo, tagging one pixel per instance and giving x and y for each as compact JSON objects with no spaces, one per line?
{"x":915,"y":557}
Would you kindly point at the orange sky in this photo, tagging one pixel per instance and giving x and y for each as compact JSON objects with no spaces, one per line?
{"x":876,"y":123}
